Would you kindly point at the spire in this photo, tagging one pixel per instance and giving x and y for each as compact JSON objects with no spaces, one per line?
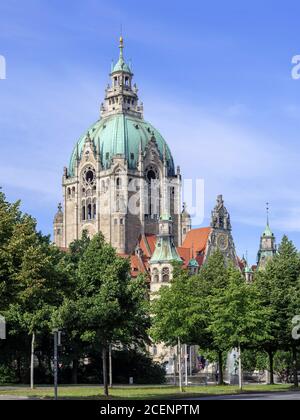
{"x":121,"y":46}
{"x":165,"y":250}
{"x":121,"y":64}
{"x":267,"y":231}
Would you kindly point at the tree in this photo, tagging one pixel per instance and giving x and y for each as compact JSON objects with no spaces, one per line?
{"x":31,"y":284}
{"x":108,"y":307}
{"x":182,"y":310}
{"x":69,"y":263}
{"x":280,"y":289}
{"x":238,"y":319}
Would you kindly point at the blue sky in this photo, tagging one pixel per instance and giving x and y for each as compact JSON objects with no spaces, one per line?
{"x":215,"y":79}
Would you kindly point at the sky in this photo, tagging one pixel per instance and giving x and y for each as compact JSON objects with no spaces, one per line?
{"x":215,"y":79}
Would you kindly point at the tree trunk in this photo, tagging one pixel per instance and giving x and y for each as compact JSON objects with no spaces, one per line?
{"x":271,"y":367}
{"x":75,"y":371}
{"x":295,"y":370}
{"x":32,"y":362}
{"x":240,"y":370}
{"x":179,"y":365}
{"x":104,"y":361}
{"x":110,"y":367}
{"x":220,"y":362}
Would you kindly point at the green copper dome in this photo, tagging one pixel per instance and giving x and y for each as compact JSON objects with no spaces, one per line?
{"x":121,"y":66}
{"x":122,"y":134}
{"x":193,"y":263}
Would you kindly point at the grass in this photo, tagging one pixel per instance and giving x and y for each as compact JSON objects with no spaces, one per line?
{"x":138,"y":393}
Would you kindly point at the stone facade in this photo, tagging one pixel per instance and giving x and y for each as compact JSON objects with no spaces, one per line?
{"x":220,"y":236}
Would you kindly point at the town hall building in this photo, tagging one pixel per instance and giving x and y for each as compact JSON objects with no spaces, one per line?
{"x":122,"y":181}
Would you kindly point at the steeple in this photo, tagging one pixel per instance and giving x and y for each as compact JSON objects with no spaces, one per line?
{"x":121,"y":96}
{"x":165,"y":250}
{"x":220,"y":218}
{"x":267,"y":248}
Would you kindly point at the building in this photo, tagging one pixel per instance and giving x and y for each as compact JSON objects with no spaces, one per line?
{"x":267,"y":247}
{"x":122,"y":181}
{"x":121,"y":174}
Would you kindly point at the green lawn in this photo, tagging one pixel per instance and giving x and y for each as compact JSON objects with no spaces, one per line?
{"x":147,"y":392}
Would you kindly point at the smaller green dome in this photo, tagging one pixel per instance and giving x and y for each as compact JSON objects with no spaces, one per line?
{"x":121,"y":66}
{"x":248,"y":270}
{"x":193,"y":263}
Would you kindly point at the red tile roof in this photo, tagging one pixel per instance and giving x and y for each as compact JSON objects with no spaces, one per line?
{"x":197,"y":239}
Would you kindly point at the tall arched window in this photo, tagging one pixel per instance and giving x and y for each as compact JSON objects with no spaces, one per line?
{"x":166,"y":275}
{"x":89,"y":211}
{"x":83,"y":214}
{"x":155,"y":275}
{"x":153,"y":198}
{"x":118,"y":183}
{"x":94,"y":209}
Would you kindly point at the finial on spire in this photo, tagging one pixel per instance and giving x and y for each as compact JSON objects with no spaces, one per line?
{"x":121,"y":46}
{"x":268,"y":212}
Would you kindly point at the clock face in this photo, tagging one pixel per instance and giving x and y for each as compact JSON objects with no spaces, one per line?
{"x":222,"y":242}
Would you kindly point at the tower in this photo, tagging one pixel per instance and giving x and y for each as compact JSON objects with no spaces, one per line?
{"x":58,"y":226}
{"x":220,"y":236}
{"x":248,"y":271}
{"x":186,"y":222}
{"x":267,"y":247}
{"x":120,"y":172}
{"x":165,"y":254}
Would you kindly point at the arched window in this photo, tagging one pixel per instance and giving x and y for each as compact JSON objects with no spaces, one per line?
{"x":166,"y":275}
{"x":69,"y":192}
{"x":89,"y":211}
{"x":73,"y":192}
{"x":119,"y":183}
{"x":83,"y":211}
{"x":94,"y":210}
{"x":152,"y":177}
{"x":155,"y":275}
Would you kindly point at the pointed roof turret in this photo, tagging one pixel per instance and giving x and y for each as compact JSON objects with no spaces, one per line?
{"x":267,"y":232}
{"x":59,"y":217}
{"x":267,"y":248}
{"x":121,"y":64}
{"x":165,"y":249}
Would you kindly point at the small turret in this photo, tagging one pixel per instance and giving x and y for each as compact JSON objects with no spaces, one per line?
{"x":58,"y":227}
{"x":267,"y":248}
{"x":186,"y":222}
{"x":165,"y":254}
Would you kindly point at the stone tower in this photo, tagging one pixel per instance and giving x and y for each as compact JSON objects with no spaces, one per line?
{"x":120,"y":173}
{"x":267,"y":247}
{"x":165,"y":254}
{"x":220,"y":236}
{"x":58,"y":227}
{"x":186,"y":222}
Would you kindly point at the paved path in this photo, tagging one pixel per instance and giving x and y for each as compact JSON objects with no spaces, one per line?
{"x":268,"y":396}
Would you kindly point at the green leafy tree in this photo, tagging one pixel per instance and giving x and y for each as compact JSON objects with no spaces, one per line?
{"x":183,"y":310}
{"x":280,"y":288}
{"x":108,"y":307}
{"x":238,"y":320}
